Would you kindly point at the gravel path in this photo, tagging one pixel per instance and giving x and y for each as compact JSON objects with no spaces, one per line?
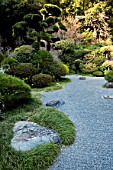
{"x":93,"y":119}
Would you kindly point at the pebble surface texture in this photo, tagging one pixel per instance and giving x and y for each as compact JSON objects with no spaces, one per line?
{"x":93,"y":119}
{"x":29,"y":134}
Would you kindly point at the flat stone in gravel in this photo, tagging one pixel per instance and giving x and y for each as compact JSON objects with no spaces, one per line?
{"x":29,"y":134}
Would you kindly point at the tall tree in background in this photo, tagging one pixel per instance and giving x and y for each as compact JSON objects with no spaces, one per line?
{"x":95,"y":21}
{"x":38,"y":26}
{"x":51,"y":17}
{"x":12,"y":11}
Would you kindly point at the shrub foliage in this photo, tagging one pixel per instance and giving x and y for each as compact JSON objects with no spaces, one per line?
{"x":41,"y":80}
{"x":13,"y":90}
{"x":109,"y":76}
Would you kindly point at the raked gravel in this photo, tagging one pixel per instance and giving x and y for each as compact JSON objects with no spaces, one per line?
{"x":93,"y":119}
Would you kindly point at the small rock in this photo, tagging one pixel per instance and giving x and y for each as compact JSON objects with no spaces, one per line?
{"x":82,"y":78}
{"x":29,"y":134}
{"x":108,"y":97}
{"x":55,"y":103}
{"x":109,"y":85}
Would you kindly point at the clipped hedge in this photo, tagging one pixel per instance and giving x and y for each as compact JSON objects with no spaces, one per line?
{"x":41,"y":80}
{"x":13,"y":90}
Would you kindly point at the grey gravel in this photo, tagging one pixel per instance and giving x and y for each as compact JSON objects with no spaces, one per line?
{"x":93,"y":119}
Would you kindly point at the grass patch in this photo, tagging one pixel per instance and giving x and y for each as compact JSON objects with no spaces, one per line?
{"x":57,"y":120}
{"x":42,"y":156}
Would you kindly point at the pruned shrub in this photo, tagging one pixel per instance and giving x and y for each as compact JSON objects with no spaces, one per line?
{"x":98,"y":73}
{"x":23,"y":71}
{"x":57,"y":69}
{"x":23,"y":53}
{"x":13,"y":90}
{"x":41,"y":80}
{"x":41,"y":59}
{"x":109,"y":76}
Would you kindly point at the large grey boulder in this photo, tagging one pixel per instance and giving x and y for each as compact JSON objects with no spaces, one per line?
{"x":29,"y":134}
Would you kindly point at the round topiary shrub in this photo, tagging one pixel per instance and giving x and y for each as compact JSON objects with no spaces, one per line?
{"x":41,"y":80}
{"x":109,"y":76}
{"x":13,"y":90}
{"x":98,"y":73}
{"x":57,"y":69}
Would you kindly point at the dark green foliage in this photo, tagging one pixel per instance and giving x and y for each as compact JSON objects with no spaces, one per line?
{"x":9,"y":62}
{"x":23,"y":56}
{"x":19,"y":28}
{"x":109,"y":76}
{"x":54,"y":10}
{"x":41,"y":80}
{"x":36,"y":46}
{"x":98,"y":73}
{"x":51,"y":20}
{"x":33,"y":20}
{"x":23,"y":53}
{"x":57,"y":69}
{"x":46,"y":36}
{"x":24,"y":71}
{"x":77,"y":64}
{"x":42,"y":59}
{"x":51,"y":14}
{"x":61,"y":26}
{"x":13,"y":90}
{"x":55,"y":28}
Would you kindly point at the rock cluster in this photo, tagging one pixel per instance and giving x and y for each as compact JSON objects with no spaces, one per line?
{"x":29,"y":134}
